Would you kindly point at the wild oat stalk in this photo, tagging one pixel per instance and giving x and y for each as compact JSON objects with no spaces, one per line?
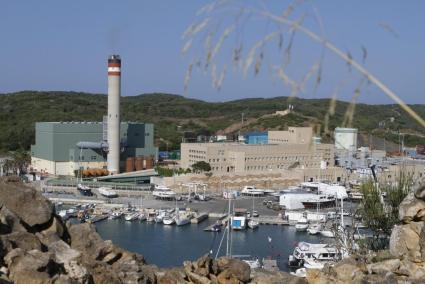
{"x":255,"y":57}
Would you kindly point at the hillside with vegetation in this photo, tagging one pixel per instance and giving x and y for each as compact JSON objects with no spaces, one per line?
{"x":173,"y":115}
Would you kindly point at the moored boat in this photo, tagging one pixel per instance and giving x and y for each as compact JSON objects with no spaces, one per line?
{"x":308,"y":251}
{"x":168,"y":220}
{"x":252,"y":224}
{"x":301,"y":225}
{"x":107,"y":192}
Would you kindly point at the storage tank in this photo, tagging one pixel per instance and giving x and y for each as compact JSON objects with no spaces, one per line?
{"x":139,"y":163}
{"x":129,"y":164}
{"x":149,"y":163}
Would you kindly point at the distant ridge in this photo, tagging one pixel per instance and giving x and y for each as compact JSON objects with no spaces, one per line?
{"x":19,"y":111}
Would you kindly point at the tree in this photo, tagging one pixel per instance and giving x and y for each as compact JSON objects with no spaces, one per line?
{"x":379,"y":214}
{"x":201,"y":166}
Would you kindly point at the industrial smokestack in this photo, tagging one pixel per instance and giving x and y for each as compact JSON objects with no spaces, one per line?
{"x":114,"y":93}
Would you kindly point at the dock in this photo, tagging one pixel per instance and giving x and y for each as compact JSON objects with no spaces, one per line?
{"x":97,"y":218}
{"x":198,"y":219}
{"x":270,"y":220}
{"x":217,"y":215}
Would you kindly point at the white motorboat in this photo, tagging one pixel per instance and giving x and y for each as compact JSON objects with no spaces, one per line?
{"x":142,"y":217}
{"x":115,"y":215}
{"x":163,"y":192}
{"x":327,"y":233}
{"x":252,"y":191}
{"x":308,"y":251}
{"x":252,"y":224}
{"x":168,"y":220}
{"x":107,"y":192}
{"x":301,"y":225}
{"x":181,"y":220}
{"x":131,"y":216}
{"x":314,"y":229}
{"x":159,"y":216}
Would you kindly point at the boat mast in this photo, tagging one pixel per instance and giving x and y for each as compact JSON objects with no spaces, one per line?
{"x":228,"y":253}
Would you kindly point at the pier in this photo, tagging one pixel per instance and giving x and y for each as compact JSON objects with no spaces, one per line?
{"x":198,"y":219}
{"x":270,"y":220}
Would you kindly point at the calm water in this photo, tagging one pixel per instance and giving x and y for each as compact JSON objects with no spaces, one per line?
{"x":168,"y":246}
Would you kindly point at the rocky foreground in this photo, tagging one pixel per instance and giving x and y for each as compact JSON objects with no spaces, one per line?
{"x":37,"y":247}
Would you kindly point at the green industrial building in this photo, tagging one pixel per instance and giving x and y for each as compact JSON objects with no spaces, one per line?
{"x":63,"y":147}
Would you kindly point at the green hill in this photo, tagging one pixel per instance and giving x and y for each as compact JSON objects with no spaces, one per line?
{"x":173,"y":114}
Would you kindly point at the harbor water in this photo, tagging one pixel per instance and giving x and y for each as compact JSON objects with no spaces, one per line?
{"x":169,"y":246}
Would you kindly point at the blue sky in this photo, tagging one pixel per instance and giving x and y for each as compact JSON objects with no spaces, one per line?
{"x":63,"y":45}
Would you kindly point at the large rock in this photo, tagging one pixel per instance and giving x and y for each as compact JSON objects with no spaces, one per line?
{"x":229,"y":267}
{"x":420,"y":193}
{"x":77,"y":272}
{"x":173,"y":276}
{"x":412,"y":270}
{"x":410,"y":207}
{"x":31,"y":267}
{"x":22,"y":240}
{"x":345,"y":271}
{"x":405,"y":240}
{"x":261,"y":276}
{"x":9,"y":222}
{"x":27,"y":203}
{"x":383,"y":267}
{"x":85,"y":239}
{"x":62,"y":252}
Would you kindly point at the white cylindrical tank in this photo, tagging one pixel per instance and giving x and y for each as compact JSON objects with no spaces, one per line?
{"x":346,"y":138}
{"x":114,"y":93}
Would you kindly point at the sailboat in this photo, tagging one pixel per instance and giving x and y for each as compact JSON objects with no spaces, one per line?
{"x":328,"y":233}
{"x":253,"y":262}
{"x":253,"y":224}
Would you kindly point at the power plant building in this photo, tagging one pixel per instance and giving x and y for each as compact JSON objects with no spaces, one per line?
{"x":61,"y":148}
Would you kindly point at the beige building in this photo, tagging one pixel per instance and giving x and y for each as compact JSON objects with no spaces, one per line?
{"x":294,"y":135}
{"x":245,"y":158}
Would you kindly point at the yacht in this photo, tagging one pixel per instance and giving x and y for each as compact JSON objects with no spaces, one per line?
{"x":308,"y":251}
{"x":107,"y":192}
{"x":159,"y":216}
{"x":182,"y":218}
{"x":115,"y":215}
{"x":252,"y":191}
{"x":151,"y":216}
{"x":327,"y":233}
{"x":168,"y":220}
{"x":314,"y":229}
{"x":319,"y":201}
{"x":252,"y":224}
{"x":301,"y":225}
{"x":131,"y":216}
{"x":84,"y":190}
{"x":142,"y":217}
{"x":163,"y":192}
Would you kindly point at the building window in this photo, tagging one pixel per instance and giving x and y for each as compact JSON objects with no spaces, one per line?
{"x":93,"y":157}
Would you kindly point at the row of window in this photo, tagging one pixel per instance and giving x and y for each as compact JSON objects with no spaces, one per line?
{"x":281,"y":158}
{"x":197,"y":152}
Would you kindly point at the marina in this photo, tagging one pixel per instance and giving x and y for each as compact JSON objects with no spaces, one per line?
{"x":259,"y":230}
